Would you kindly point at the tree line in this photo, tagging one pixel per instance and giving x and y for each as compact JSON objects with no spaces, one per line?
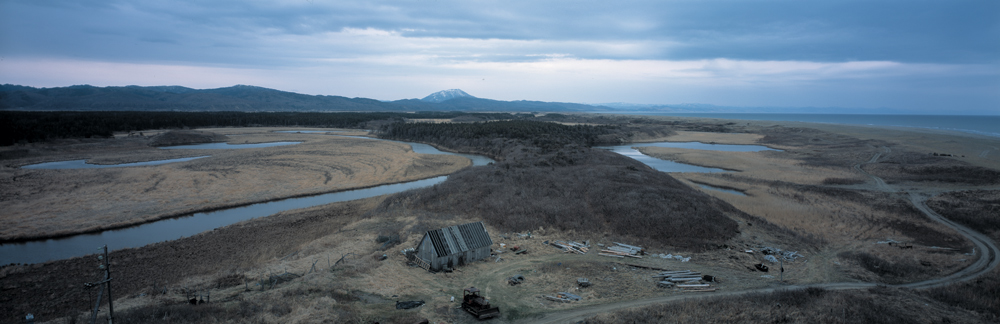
{"x":491,"y":136}
{"x":35,"y":126}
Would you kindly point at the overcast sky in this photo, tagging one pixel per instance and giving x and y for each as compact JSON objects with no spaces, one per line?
{"x":927,"y":56}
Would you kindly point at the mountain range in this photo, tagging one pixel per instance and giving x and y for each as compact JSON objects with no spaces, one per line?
{"x":253,"y":98}
{"x":248,"y":98}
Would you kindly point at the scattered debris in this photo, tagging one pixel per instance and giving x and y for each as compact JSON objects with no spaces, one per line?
{"x":787,"y":255}
{"x":583,"y":282}
{"x":569,"y":296}
{"x":761,"y":267}
{"x":641,"y":266}
{"x":771,"y":258}
{"x":571,"y":246}
{"x":685,"y":279}
{"x":620,"y":250}
{"x":409,"y":304}
{"x":563,"y":297}
{"x":515,"y":280}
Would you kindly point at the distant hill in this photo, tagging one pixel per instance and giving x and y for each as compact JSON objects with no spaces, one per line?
{"x":248,"y":98}
{"x":446,"y":95}
{"x":177,"y":98}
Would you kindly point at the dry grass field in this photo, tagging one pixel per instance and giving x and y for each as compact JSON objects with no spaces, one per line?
{"x":815,"y":191}
{"x":321,"y":264}
{"x":44,"y":203}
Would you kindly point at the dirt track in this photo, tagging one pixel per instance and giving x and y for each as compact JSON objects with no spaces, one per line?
{"x":987,"y":261}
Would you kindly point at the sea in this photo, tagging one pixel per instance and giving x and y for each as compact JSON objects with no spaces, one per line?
{"x":982,"y":125}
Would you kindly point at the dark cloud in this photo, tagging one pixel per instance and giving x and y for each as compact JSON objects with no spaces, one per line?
{"x":456,"y":38}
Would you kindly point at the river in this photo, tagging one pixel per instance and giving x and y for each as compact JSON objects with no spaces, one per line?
{"x":175,"y":228}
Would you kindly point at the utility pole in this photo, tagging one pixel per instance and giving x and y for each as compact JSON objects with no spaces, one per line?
{"x":104,"y":284}
{"x":782,"y":269}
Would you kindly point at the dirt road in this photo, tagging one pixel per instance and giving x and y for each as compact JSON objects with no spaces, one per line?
{"x":985,"y":246}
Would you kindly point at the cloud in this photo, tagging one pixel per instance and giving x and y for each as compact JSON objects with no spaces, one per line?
{"x":638,"y":51}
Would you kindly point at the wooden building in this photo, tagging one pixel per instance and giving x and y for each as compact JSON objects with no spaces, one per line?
{"x":454,"y":246}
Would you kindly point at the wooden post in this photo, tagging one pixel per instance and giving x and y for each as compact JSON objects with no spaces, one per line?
{"x":107,"y":279}
{"x":782,"y":260}
{"x":104,"y":284}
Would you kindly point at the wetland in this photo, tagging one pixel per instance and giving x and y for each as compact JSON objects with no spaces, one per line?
{"x":830,"y":193}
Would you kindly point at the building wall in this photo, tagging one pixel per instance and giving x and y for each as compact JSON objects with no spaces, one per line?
{"x":426,"y":252}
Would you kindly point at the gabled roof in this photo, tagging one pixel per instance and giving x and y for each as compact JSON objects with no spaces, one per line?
{"x":460,"y":238}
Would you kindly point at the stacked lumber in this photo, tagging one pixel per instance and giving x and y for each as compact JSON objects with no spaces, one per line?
{"x":620,"y":250}
{"x":563,"y":297}
{"x":571,"y":246}
{"x":685,"y":279}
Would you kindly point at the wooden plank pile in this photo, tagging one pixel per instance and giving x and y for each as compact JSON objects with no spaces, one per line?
{"x":620,"y":250}
{"x":563,"y":297}
{"x":684,"y":279}
{"x":571,"y":246}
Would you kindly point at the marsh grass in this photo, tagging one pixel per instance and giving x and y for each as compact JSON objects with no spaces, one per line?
{"x":980,"y":210}
{"x":39,"y":203}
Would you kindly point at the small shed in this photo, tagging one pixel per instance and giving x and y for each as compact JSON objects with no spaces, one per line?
{"x":454,"y":245}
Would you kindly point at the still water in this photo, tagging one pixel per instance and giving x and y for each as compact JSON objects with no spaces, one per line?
{"x":82,"y":164}
{"x":671,"y":166}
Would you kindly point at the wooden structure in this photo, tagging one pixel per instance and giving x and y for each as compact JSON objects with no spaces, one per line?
{"x":454,"y":246}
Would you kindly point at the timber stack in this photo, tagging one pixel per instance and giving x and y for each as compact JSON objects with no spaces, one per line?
{"x":620,"y":250}
{"x":684,"y":279}
{"x":571,"y":246}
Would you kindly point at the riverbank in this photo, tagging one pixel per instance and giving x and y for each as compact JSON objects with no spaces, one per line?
{"x":55,"y":203}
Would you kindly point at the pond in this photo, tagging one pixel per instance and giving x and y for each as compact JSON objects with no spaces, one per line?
{"x":671,"y":166}
{"x":82,"y":164}
{"x":726,"y":190}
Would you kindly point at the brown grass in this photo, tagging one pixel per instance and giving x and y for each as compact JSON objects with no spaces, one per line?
{"x":793,"y":189}
{"x":40,"y":203}
{"x":719,"y":138}
{"x":878,"y":305}
{"x":841,"y":217}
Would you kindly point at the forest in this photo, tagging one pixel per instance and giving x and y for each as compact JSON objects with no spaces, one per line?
{"x":35,"y":126}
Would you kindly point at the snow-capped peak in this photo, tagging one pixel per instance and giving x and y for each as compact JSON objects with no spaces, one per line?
{"x":444,"y":95}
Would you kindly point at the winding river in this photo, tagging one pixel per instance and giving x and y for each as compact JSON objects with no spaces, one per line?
{"x":175,"y":228}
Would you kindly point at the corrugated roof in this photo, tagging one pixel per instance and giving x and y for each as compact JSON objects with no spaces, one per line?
{"x":460,"y":238}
